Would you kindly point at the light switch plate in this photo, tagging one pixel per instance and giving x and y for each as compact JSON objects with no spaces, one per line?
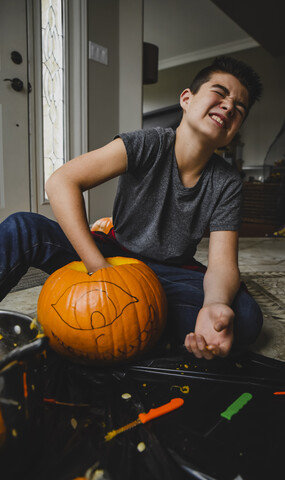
{"x":98,"y":53}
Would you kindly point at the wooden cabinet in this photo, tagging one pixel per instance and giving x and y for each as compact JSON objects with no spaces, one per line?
{"x":260,"y":203}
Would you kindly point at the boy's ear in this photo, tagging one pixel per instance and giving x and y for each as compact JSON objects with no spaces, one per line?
{"x":185,"y":98}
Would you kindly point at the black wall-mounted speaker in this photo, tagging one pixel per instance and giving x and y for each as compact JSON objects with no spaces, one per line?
{"x":150,"y":63}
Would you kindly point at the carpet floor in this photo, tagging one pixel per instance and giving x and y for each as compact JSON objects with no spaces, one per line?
{"x":268,"y":289}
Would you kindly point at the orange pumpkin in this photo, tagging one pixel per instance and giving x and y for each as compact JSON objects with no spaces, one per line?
{"x":102,"y":225}
{"x":113,"y":315}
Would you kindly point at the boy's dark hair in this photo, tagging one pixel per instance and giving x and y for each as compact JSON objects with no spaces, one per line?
{"x":243,"y":72}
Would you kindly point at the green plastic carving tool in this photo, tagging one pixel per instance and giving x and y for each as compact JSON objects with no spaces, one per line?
{"x":236,"y":406}
{"x":232,"y":409}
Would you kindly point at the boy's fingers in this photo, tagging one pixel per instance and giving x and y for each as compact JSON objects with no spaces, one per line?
{"x":224,"y":349}
{"x":202,"y":345}
{"x":214,"y":349}
{"x":191,"y":345}
{"x":196,"y":344}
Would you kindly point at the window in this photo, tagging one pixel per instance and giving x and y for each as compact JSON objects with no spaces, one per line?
{"x":53,"y":95}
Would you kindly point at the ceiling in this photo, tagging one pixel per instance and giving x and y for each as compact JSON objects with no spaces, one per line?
{"x":263,"y":20}
{"x":190,"y":30}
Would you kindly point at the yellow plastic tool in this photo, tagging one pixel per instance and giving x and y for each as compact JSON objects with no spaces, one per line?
{"x":146,"y":417}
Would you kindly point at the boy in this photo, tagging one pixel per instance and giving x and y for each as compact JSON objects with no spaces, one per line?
{"x":171,"y":188}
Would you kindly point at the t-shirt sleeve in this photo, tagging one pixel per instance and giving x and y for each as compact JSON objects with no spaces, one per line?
{"x":142,"y":147}
{"x":227,"y":214}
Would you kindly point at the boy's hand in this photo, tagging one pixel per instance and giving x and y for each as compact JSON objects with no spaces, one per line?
{"x":213,"y":334}
{"x":94,"y":268}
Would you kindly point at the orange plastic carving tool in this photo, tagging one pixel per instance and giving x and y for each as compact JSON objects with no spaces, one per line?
{"x":146,"y":417}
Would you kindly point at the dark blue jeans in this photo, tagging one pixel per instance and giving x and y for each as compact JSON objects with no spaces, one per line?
{"x":31,"y":240}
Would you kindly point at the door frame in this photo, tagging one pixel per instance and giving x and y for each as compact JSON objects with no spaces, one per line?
{"x":76,"y":94}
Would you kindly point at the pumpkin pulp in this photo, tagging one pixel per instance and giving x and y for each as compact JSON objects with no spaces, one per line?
{"x":114,"y":261}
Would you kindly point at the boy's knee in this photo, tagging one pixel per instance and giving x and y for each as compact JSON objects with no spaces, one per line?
{"x":21,"y":222}
{"x":16,"y":219}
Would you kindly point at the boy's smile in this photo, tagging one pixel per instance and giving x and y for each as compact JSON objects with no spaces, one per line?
{"x":217,"y":110}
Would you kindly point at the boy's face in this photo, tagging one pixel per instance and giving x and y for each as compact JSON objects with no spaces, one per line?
{"x":215,"y":113}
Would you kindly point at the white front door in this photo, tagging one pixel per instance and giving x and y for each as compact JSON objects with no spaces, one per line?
{"x":14,"y":124}
{"x":30,"y":147}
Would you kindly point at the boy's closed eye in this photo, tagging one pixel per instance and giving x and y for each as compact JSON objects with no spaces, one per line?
{"x":220,"y":93}
{"x":239,"y":108}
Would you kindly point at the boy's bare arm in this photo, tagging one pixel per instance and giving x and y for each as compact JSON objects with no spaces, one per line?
{"x":214,"y":326}
{"x":65,"y":192}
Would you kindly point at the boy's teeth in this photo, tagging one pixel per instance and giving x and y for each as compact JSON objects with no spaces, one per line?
{"x":218,"y":119}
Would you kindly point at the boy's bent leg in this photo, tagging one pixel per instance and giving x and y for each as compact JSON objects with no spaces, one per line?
{"x":185,"y":295}
{"x":248,"y":318}
{"x":31,"y":240}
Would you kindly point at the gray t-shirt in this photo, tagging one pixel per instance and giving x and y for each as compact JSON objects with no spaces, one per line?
{"x":155,"y":215}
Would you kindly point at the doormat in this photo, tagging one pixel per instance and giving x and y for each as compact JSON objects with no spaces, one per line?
{"x":33,"y":278}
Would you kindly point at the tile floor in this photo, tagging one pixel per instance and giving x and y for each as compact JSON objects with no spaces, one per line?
{"x":255,"y":254}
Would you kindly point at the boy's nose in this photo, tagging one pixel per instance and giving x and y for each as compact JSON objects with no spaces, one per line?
{"x":228,"y":106}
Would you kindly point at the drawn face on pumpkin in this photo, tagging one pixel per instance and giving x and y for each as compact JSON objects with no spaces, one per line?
{"x":112,"y":315}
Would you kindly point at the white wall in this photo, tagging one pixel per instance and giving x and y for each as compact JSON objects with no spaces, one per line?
{"x":130,"y":70}
{"x":114,"y":90}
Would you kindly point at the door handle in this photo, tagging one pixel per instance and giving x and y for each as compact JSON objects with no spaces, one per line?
{"x":16,"y":84}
